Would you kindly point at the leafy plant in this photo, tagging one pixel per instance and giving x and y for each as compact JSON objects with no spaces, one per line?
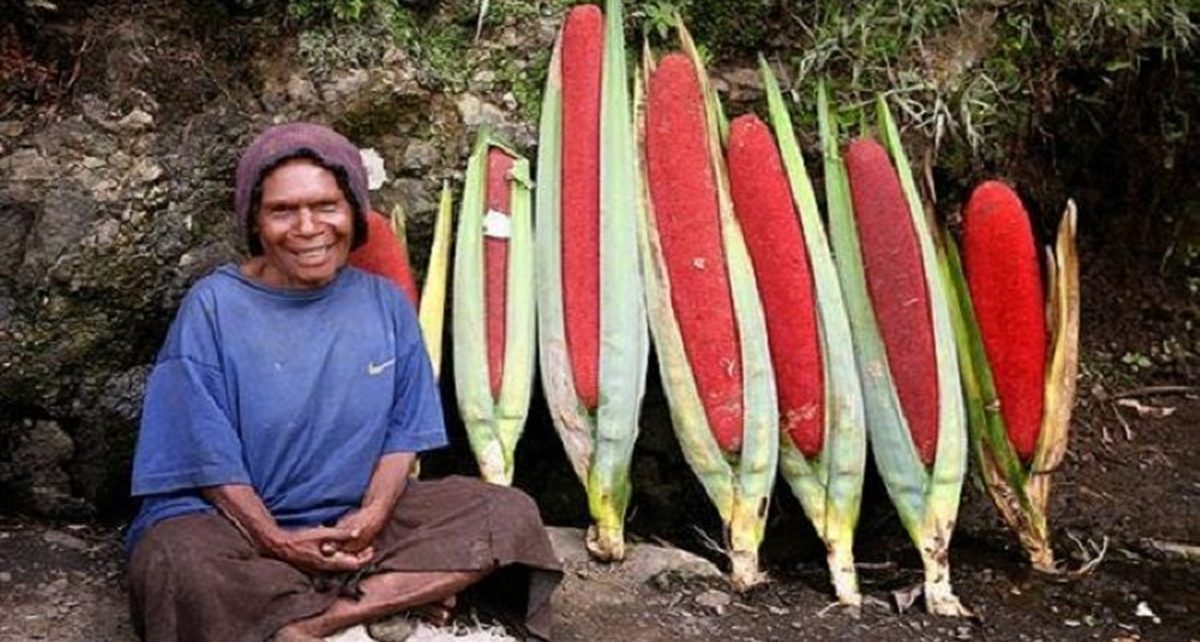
{"x":962,"y":72}
{"x":658,"y":17}
{"x":1136,"y":361}
{"x":324,"y":10}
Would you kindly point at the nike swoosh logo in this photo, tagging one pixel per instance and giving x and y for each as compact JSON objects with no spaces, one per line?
{"x":374,"y":369}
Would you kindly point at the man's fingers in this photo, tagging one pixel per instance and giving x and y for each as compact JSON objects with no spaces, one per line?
{"x":342,"y":562}
{"x":332,"y":533}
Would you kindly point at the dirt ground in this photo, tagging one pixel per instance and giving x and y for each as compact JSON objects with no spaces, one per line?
{"x":1129,"y":492}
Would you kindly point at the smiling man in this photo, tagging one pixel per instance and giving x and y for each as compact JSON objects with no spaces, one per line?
{"x":304,"y":226}
{"x":280,"y":422}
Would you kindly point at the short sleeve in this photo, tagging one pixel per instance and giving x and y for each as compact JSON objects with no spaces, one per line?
{"x":187,"y":439}
{"x":416,"y":418}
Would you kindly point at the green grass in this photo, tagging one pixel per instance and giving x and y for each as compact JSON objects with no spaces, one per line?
{"x":440,"y":43}
{"x":968,"y":74}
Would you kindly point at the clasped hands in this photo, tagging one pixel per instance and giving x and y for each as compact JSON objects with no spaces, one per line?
{"x":345,"y":546}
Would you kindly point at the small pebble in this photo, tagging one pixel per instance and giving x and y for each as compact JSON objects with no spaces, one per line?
{"x":714,"y":599}
{"x":393,"y":629}
{"x":60,"y":538}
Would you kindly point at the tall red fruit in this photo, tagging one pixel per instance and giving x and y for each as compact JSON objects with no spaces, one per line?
{"x":684,"y":193}
{"x":896,"y":284}
{"x":762,"y":200}
{"x":385,"y":255}
{"x":498,"y":210}
{"x":582,"y":57}
{"x":1003,"y":274}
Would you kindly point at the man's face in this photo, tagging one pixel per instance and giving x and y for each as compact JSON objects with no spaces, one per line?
{"x":305,"y":225}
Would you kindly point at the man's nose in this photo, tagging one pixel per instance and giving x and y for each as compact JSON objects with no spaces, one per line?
{"x":307,"y":224}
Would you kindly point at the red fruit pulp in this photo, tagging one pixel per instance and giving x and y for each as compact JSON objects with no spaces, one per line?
{"x":582,"y":59}
{"x":495,"y":258}
{"x":896,"y":284}
{"x":1003,"y":274}
{"x":385,"y":255}
{"x":683,"y":190}
{"x":762,"y":200}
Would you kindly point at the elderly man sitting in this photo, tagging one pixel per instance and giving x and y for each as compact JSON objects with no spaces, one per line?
{"x":280,"y":422}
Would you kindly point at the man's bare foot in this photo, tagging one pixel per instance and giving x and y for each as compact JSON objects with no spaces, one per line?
{"x":387,"y":593}
{"x":291,"y":633}
{"x":399,"y":627}
{"x":437,"y":613}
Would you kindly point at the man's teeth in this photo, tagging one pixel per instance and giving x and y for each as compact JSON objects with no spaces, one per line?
{"x":315,"y":252}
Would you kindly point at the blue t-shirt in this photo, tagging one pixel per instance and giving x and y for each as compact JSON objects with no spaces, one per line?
{"x":297,"y":393}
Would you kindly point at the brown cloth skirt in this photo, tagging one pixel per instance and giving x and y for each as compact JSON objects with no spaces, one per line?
{"x":196,"y":578}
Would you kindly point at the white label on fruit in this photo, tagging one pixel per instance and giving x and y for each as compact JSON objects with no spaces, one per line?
{"x":497,"y":225}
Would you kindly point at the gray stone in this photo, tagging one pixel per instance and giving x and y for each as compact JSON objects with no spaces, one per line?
{"x":301,"y":90}
{"x":11,"y":128}
{"x":511,"y":37}
{"x":475,"y":112}
{"x":715,"y":600}
{"x":108,"y":190}
{"x":28,"y":165}
{"x":547,"y":30}
{"x":351,"y":81}
{"x":59,"y":538}
{"x":16,"y":219}
{"x":642,"y":562}
{"x":120,"y":160}
{"x":416,"y":195}
{"x":392,"y":629}
{"x":135,"y":121}
{"x":122,"y":393}
{"x":45,"y":445}
{"x":62,"y":223}
{"x":34,"y":472}
{"x":421,"y":154}
{"x":395,"y":56}
{"x":147,"y":171}
{"x":743,"y":84}
{"x":106,"y":232}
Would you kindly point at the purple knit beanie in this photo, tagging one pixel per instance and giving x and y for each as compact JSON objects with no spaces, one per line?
{"x":281,"y":143}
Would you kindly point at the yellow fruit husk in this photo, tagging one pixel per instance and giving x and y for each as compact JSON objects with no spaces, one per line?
{"x":432,"y":310}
